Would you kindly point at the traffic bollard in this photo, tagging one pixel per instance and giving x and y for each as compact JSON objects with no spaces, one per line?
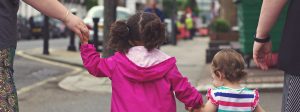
{"x":72,"y":46}
{"x":96,"y":31}
{"x":46,"y":35}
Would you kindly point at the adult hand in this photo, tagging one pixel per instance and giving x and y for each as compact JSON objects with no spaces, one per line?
{"x":75,"y":24}
{"x":262,"y":53}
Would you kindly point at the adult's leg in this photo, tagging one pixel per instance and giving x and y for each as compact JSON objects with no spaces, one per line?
{"x":8,"y":93}
{"x":291,"y":97}
{"x":285,"y":91}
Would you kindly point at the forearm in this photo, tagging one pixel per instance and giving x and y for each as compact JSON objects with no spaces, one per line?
{"x":95,"y":65}
{"x":269,"y":13}
{"x":259,"y":109}
{"x":184,"y":91}
{"x":52,"y":8}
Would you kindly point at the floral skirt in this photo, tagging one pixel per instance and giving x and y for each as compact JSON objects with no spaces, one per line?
{"x":8,"y":93}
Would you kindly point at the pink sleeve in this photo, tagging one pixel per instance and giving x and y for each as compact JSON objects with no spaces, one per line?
{"x":96,"y":66}
{"x":210,"y":96}
{"x":256,"y":99}
{"x":184,"y":91}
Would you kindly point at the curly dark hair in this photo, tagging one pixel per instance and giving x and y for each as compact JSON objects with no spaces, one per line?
{"x":231,"y":63}
{"x":142,"y":27}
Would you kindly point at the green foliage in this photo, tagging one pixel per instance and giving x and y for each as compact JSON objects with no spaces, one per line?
{"x":181,"y":5}
{"x":184,"y":4}
{"x":220,"y":25}
{"x":90,"y":3}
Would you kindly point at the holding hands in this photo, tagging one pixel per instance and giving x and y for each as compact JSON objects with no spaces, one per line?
{"x":75,"y":24}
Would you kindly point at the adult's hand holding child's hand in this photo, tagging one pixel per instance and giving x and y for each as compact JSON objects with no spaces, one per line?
{"x":75,"y":24}
{"x":84,"y":39}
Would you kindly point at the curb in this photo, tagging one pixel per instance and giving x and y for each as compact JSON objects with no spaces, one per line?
{"x":82,"y":82}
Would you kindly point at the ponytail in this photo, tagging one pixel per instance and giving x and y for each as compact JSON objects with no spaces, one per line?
{"x":153,"y":34}
{"x":119,"y":32}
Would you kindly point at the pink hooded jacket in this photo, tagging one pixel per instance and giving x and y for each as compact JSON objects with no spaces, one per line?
{"x":141,"y":89}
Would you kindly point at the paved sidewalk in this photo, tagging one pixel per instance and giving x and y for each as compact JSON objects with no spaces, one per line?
{"x":190,"y":57}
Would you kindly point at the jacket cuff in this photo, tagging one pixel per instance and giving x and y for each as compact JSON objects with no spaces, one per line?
{"x":197,"y":105}
{"x":86,"y":46}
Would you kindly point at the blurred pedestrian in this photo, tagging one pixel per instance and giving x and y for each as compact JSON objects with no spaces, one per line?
{"x":8,"y":42}
{"x":190,"y":25}
{"x":152,"y":8}
{"x":227,"y":72}
{"x":144,"y":79}
{"x":289,"y":54}
{"x":190,"y":22}
{"x":183,"y":32}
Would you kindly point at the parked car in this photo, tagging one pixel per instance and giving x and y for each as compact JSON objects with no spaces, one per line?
{"x":37,"y":24}
{"x":23,"y":28}
{"x":62,"y":27}
{"x":97,"y":12}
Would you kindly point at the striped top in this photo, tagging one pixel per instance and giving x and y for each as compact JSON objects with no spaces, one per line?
{"x":233,"y":100}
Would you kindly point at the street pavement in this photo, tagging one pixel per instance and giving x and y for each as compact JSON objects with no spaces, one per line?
{"x":59,"y":43}
{"x":79,"y":92}
{"x":28,"y":72}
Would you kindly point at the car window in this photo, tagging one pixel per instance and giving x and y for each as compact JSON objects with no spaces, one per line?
{"x":98,"y":13}
{"x":38,"y":18}
{"x":122,"y":15}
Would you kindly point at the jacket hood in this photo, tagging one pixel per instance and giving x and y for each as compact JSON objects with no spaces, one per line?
{"x":143,"y":74}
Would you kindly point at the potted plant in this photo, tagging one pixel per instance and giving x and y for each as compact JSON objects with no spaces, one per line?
{"x":219,"y":29}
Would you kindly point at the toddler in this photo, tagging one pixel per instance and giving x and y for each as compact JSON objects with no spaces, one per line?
{"x":227,"y":71}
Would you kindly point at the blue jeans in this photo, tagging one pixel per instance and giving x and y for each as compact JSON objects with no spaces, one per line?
{"x":8,"y":93}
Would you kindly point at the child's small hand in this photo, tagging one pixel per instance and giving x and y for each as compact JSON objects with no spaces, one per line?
{"x":84,"y":38}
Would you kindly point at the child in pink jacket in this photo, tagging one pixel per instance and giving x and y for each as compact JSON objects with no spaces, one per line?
{"x":144,"y":79}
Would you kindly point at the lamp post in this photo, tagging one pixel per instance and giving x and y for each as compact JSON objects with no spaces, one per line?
{"x":46,"y":35}
{"x":96,"y":31}
{"x":173,"y":19}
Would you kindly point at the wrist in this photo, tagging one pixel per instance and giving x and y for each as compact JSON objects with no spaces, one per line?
{"x":262,"y":38}
{"x":83,"y":43}
{"x":65,"y":19}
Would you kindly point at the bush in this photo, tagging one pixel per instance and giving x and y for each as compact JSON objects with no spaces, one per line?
{"x":220,"y":25}
{"x":90,"y":3}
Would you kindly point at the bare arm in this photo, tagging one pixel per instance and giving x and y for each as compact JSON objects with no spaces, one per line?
{"x":52,"y":8}
{"x":259,"y":109}
{"x":209,"y":107}
{"x":55,"y":9}
{"x":269,"y":13}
